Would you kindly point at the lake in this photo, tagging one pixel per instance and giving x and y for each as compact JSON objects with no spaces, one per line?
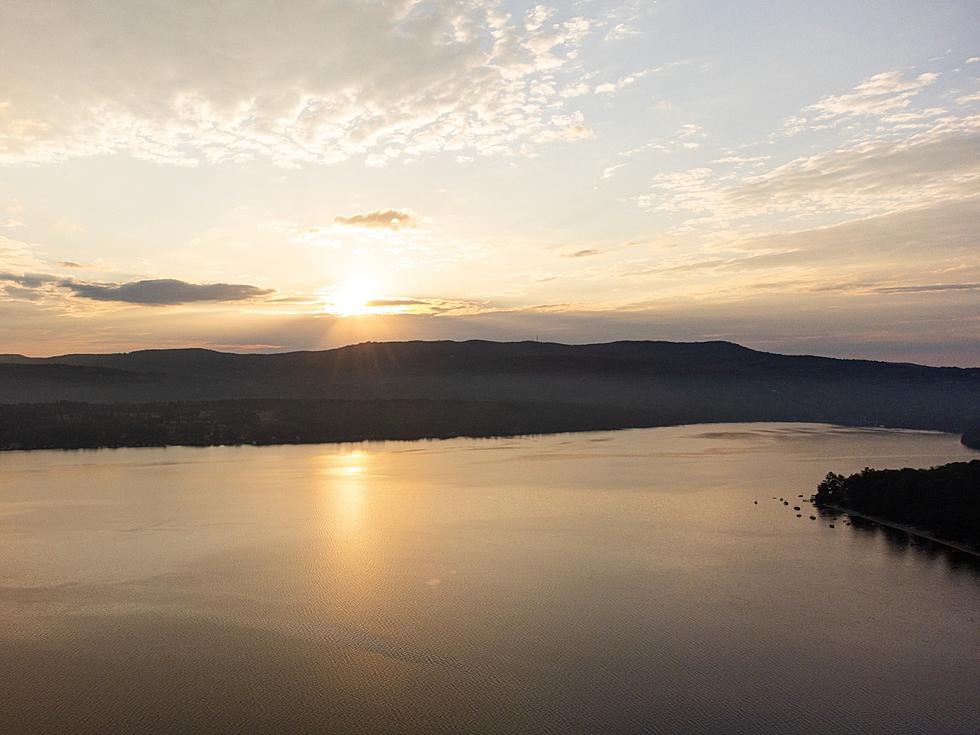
{"x":611,"y":582}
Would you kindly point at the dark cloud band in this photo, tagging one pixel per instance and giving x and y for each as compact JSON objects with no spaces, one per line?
{"x":151,"y":292}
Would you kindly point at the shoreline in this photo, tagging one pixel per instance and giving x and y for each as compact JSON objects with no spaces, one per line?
{"x":367,"y":437}
{"x":910,"y":530}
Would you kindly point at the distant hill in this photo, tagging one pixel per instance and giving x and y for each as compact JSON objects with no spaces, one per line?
{"x":652,"y":382}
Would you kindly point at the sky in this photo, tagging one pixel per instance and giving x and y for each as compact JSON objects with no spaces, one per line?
{"x":256,"y":175}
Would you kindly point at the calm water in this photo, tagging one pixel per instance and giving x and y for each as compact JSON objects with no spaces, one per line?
{"x":602,"y":583}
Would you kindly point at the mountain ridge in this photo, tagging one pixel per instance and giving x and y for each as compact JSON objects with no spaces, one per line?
{"x":540,"y":343}
{"x":526,"y":346}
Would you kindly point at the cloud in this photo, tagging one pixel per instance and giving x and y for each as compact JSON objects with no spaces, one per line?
{"x":18,"y":255}
{"x":152,"y":292}
{"x":29,"y":280}
{"x":939,"y":164}
{"x":628,"y":80}
{"x":925,"y":237}
{"x":791,"y":126}
{"x":883,"y":93}
{"x":317,"y":81}
{"x":620,"y":31}
{"x":389,"y":219}
{"x":424,"y":305}
{"x":164,"y":291}
{"x":575,"y":90}
{"x":686,"y":138}
{"x":931,"y":288}
{"x":20,"y":293}
{"x":582,"y":253}
{"x":610,"y":171}
{"x":914,"y":255}
{"x":536,"y":17}
{"x":11,"y":214}
{"x":382,"y":303}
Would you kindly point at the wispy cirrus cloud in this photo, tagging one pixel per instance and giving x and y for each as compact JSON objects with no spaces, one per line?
{"x":880,"y":94}
{"x":620,"y":31}
{"x":622,"y":83}
{"x":389,"y":303}
{"x":688,"y":137}
{"x":939,"y":164}
{"x":424,"y":305}
{"x":19,"y":255}
{"x":607,"y":88}
{"x":929,"y":250}
{"x":930,"y":288}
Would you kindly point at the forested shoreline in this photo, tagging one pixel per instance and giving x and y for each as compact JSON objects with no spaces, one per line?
{"x":69,"y":425}
{"x":943,"y":501}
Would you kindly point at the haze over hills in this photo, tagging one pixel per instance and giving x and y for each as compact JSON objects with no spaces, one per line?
{"x":635,"y":383}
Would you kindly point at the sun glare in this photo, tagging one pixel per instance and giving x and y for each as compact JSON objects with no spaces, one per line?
{"x":353,"y":297}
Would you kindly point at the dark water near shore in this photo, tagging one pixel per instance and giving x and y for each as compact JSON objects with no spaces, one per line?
{"x":606,"y":583}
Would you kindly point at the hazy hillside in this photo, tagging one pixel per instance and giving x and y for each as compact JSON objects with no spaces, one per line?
{"x":660,"y":382}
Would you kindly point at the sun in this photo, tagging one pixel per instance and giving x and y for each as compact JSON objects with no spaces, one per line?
{"x":353,"y":297}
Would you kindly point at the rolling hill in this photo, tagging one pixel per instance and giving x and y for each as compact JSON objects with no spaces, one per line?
{"x":626,"y":383}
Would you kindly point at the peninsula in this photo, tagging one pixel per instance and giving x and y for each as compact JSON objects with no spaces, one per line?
{"x":943,"y":502}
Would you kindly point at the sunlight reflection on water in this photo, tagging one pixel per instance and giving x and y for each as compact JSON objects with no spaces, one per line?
{"x":610,"y":582}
